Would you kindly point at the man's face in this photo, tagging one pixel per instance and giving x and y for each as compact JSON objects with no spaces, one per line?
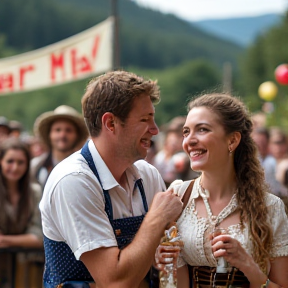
{"x":262,"y":143}
{"x":135,"y":134}
{"x":4,"y":133}
{"x":63,"y":135}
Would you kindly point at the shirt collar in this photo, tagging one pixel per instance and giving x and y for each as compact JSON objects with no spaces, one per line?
{"x":107,"y":179}
{"x":195,"y":190}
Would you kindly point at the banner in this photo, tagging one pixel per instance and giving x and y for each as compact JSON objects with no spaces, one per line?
{"x":80,"y":56}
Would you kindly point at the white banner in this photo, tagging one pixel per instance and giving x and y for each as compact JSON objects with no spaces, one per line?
{"x":80,"y":56}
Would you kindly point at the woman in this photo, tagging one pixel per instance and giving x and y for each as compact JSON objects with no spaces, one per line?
{"x":20,"y":222}
{"x":230,"y":193}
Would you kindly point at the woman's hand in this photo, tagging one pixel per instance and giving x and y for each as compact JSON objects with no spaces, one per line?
{"x":233,"y":252}
{"x":165,"y":255}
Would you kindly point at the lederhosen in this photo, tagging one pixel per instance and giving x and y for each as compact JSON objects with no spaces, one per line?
{"x":61,"y":265}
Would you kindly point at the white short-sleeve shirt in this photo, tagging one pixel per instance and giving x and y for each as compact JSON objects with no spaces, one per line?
{"x":73,"y":207}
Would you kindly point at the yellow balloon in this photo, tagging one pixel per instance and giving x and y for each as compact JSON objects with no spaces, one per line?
{"x":268,"y":90}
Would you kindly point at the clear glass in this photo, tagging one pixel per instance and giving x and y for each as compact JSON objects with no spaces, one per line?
{"x":168,"y":276}
{"x":222,"y":264}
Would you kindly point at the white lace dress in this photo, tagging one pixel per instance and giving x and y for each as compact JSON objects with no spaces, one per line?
{"x":193,"y":229}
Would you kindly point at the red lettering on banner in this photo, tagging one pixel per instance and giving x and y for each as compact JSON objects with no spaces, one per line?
{"x":6,"y":82}
{"x":95,"y":47}
{"x":84,"y":64}
{"x":22,"y":72}
{"x":74,"y":62}
{"x":57,"y":62}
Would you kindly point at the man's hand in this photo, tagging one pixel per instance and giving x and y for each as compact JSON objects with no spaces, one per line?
{"x":166,"y":205}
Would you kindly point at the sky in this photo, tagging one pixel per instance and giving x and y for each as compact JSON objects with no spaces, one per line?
{"x":194,"y":10}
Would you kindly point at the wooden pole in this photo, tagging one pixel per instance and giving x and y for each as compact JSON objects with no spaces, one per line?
{"x":116,"y":47}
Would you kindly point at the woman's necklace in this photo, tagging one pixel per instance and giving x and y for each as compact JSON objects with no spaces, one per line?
{"x":215,"y":220}
{"x":205,"y":195}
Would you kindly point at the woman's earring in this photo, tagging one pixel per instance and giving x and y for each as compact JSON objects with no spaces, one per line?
{"x":230,"y":150}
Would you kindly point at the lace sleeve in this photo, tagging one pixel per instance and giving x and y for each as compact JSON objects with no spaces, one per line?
{"x":180,"y":261}
{"x":176,"y":185}
{"x":279,"y":223}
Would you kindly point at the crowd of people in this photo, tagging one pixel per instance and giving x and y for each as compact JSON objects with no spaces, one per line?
{"x":98,"y":190}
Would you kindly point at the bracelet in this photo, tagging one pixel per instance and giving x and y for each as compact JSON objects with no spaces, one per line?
{"x":266,"y":284}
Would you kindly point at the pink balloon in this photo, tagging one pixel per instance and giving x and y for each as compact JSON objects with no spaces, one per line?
{"x":281,"y":74}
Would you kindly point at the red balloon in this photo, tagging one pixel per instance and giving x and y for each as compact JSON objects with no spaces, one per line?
{"x":281,"y":74}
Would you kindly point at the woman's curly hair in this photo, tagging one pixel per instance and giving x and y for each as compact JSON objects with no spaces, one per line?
{"x":252,"y":188}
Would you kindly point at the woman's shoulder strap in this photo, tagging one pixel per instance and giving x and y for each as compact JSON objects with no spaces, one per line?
{"x":185,"y":191}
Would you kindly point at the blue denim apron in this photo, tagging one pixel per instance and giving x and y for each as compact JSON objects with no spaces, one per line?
{"x":61,"y":265}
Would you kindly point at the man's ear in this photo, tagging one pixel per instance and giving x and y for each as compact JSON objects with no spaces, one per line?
{"x":108,"y":121}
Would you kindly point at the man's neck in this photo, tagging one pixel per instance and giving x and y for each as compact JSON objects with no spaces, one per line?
{"x":109,"y":155}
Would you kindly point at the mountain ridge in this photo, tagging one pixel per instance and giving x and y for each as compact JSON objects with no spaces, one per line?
{"x":240,"y":30}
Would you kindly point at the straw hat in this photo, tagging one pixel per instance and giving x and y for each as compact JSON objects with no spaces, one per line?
{"x":43,"y":123}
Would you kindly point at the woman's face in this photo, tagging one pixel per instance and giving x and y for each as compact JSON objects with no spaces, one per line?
{"x":13,"y":165}
{"x":205,"y":140}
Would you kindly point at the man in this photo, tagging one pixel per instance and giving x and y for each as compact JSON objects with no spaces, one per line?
{"x":16,"y":128}
{"x":4,"y":128}
{"x":261,"y":138}
{"x":95,"y":200}
{"x":62,"y":130}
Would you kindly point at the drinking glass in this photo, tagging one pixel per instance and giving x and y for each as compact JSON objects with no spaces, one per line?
{"x":168,"y":276}
{"x":222,"y":264}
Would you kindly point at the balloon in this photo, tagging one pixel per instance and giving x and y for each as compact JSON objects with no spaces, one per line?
{"x":281,"y":74}
{"x":268,"y":91}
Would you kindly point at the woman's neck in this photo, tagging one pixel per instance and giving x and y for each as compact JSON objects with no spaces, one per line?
{"x":219,"y":187}
{"x":13,"y":192}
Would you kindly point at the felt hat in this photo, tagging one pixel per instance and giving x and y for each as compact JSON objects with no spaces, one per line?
{"x":5,"y":123}
{"x":43,"y":123}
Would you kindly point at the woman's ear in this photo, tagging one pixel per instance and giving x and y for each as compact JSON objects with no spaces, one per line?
{"x":234,"y":140}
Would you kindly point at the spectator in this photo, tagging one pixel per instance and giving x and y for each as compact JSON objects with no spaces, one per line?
{"x":279,"y":149}
{"x":278,"y":144}
{"x":259,"y":120}
{"x":36,"y":146}
{"x":171,"y":161}
{"x":261,"y":138}
{"x":4,"y":128}
{"x":163,"y":160}
{"x":20,"y":223}
{"x":16,"y":128}
{"x":62,"y":130}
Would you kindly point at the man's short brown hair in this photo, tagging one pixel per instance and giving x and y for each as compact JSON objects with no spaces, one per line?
{"x":114,"y":92}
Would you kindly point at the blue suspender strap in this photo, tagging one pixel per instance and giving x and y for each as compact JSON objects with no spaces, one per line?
{"x":141,"y":188}
{"x":88,"y":157}
{"x":108,"y":204}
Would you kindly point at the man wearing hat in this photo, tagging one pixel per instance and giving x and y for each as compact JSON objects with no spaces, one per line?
{"x":4,"y":128}
{"x":63,"y":131}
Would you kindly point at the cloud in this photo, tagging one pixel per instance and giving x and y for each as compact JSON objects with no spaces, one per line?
{"x":193,"y":10}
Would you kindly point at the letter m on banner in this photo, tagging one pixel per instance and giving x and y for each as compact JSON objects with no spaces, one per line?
{"x":80,"y":56}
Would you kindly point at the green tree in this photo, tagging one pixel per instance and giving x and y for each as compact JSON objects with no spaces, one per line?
{"x":179,"y":84}
{"x":258,"y":66}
